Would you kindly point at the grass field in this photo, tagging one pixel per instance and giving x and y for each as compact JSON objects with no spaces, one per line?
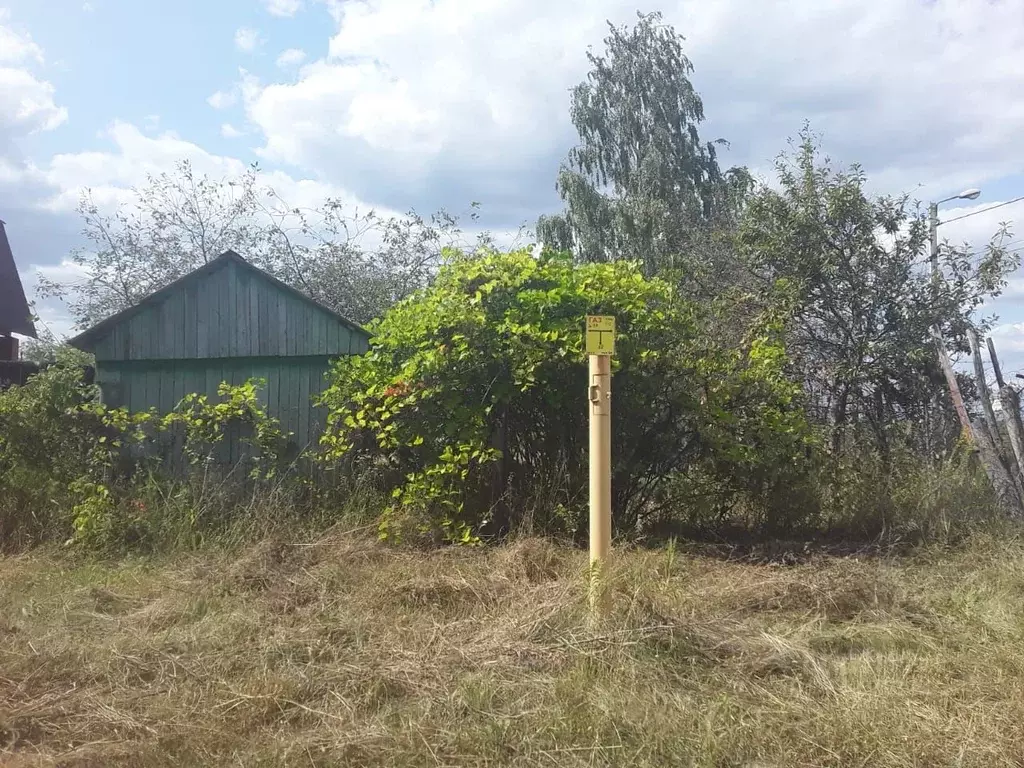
{"x":342,"y":652}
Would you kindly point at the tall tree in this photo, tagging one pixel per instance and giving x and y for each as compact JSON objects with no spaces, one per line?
{"x":864,"y":303}
{"x":641,"y":184}
{"x":358,"y":263}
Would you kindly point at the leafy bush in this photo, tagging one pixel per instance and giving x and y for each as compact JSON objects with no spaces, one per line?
{"x":45,"y":438}
{"x":470,"y":402}
{"x":155,"y":501}
{"x":106,"y":479}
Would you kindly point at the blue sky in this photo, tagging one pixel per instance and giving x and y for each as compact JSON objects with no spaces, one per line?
{"x":130,"y":60}
{"x":437,"y":103}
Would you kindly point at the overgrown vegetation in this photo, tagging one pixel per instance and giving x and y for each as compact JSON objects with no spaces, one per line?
{"x":109,"y":480}
{"x":469,"y":399}
{"x":337,"y":651}
{"x":775,"y":373}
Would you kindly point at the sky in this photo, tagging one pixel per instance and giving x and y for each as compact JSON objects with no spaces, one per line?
{"x":428,"y":104}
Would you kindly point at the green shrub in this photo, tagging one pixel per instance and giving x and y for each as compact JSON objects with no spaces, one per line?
{"x":471,"y":401}
{"x":71,"y":469}
{"x":157,"y":502}
{"x":45,"y":437}
{"x":906,"y":497}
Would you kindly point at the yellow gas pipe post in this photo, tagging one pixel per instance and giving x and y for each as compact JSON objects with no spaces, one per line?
{"x":600,"y":347}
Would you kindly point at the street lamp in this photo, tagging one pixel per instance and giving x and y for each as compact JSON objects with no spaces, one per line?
{"x":933,"y":225}
{"x":967,"y":194}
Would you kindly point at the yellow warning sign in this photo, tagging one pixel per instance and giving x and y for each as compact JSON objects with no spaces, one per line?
{"x":600,"y":335}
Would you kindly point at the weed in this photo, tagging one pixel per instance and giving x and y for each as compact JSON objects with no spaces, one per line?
{"x":340,"y":651}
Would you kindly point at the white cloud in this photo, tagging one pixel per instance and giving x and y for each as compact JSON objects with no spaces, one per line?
{"x":473,"y":98}
{"x":53,"y":312}
{"x":51,"y":192}
{"x":66,"y":271}
{"x":222,"y":99}
{"x":1009,"y":343}
{"x":88,"y":7}
{"x":1014,"y":289}
{"x":980,"y":221}
{"x":228,"y":131}
{"x":454,"y":100}
{"x":16,"y":46}
{"x":247,"y":39}
{"x":283,"y":7}
{"x":111,"y":174}
{"x":27,"y":102}
{"x":290,"y":58}
{"x":132,"y":155}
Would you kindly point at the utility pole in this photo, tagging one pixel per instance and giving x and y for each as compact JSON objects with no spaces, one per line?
{"x":940,"y":345}
{"x":954,"y":387}
{"x":933,"y":226}
{"x":933,"y":242}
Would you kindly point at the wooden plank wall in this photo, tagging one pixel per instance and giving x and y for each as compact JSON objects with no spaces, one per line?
{"x":229,"y":325}
{"x":231,"y":312}
{"x":291,"y":386}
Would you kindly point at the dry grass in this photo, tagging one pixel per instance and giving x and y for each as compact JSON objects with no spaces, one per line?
{"x":342,"y":652}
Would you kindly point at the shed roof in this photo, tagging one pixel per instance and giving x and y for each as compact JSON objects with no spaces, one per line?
{"x":15,"y":316}
{"x":88,"y":338}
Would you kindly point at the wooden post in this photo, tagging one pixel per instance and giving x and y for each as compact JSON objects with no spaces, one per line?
{"x":983,"y":393}
{"x":995,"y":363}
{"x":1011,"y":409}
{"x":940,"y":345}
{"x":954,"y":386}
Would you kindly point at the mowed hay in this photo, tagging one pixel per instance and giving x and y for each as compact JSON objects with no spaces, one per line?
{"x":342,"y":651}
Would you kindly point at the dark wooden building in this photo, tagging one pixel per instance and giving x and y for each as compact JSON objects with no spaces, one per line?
{"x":15,"y":316}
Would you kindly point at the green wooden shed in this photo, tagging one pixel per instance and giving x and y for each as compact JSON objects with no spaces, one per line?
{"x":225,"y":321}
